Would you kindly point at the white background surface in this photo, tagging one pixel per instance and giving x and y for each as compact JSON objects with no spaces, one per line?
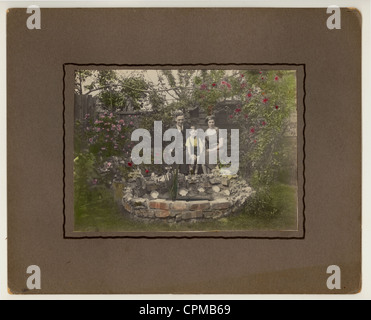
{"x":362,"y":5}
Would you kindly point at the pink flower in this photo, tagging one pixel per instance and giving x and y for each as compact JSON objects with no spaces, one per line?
{"x":231,"y":117}
{"x":98,"y":129}
{"x":109,"y":164}
{"x":103,"y":148}
{"x":95,"y":181}
{"x":121,"y":121}
{"x":91,"y":140}
{"x":131,"y":123}
{"x":203,"y":87}
{"x":224,"y":83}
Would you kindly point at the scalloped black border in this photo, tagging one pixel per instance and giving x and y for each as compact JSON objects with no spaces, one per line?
{"x":181,"y":65}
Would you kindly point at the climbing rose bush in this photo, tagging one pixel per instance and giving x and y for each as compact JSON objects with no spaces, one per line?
{"x":108,"y":136}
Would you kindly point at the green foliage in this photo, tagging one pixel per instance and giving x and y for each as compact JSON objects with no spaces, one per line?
{"x":84,"y":177}
{"x":261,"y":203}
{"x":174,"y":185}
{"x":264,"y":102}
{"x":108,"y":136}
{"x":120,"y":92}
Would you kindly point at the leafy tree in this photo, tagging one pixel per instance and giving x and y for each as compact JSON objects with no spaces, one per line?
{"x":80,"y":77}
{"x":116,"y":91}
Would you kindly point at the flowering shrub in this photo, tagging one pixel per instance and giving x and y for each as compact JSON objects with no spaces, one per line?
{"x":106,"y":139}
{"x":266,"y":99}
{"x":108,"y":136}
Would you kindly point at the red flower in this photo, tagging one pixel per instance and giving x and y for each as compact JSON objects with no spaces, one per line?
{"x":130,"y":164}
{"x":147,"y":171}
{"x":254,"y":141}
{"x":231,"y":116}
{"x":246,"y":116}
{"x":252,"y":130}
{"x":238,"y":110}
{"x":224,"y":83}
{"x":264,"y":123}
{"x":276,"y":107}
{"x":249,"y":95}
{"x":265,"y":100}
{"x":276,"y":78}
{"x":214,"y":84}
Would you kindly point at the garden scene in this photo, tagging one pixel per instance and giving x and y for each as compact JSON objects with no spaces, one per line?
{"x":113,"y":194}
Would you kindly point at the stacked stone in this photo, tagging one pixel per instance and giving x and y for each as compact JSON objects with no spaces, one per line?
{"x":227,"y":195}
{"x":177,"y":211}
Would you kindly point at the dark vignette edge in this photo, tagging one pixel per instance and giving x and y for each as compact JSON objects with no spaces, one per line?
{"x":182,"y":237}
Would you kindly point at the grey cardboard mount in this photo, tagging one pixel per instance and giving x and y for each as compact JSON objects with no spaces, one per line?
{"x":39,"y":93}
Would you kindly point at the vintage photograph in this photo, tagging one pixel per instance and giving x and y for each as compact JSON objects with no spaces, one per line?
{"x":185,"y":150}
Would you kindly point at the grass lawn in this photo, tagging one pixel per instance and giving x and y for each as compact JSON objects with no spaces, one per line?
{"x":107,"y":216}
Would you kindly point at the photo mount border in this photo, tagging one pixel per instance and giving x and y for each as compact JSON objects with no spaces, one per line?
{"x":303,"y":65}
